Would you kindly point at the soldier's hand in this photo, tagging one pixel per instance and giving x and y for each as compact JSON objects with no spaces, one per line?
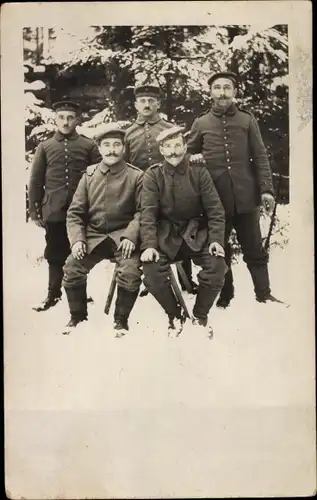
{"x":79,"y":250}
{"x":197,"y":159}
{"x":39,"y":223}
{"x":127,"y":248}
{"x":216,"y":249}
{"x":268,"y":202}
{"x":150,"y":255}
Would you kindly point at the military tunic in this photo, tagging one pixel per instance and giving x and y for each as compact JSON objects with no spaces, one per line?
{"x":235,"y":156}
{"x":180,"y":203}
{"x":142,"y":149}
{"x":106,"y":203}
{"x":181,"y":215}
{"x":58,"y":164}
{"x":105,"y":210}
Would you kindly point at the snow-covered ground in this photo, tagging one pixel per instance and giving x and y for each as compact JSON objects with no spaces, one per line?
{"x":145,"y":415}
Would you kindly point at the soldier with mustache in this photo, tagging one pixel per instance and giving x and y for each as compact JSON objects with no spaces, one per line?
{"x":58,"y":164}
{"x":103,"y":222}
{"x":181,"y":216}
{"x":142,"y":149}
{"x":228,"y":140}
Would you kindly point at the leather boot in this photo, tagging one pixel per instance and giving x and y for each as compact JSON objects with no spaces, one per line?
{"x":166,"y":298}
{"x":77,"y":301}
{"x":261,"y":281}
{"x":55,"y":276}
{"x":204,"y":301}
{"x":227,"y":291}
{"x":124,"y":305}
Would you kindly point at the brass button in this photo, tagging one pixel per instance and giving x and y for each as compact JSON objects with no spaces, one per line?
{"x":67,"y":184}
{"x":229,"y":168}
{"x":225,"y":137}
{"x":227,"y":152}
{"x":228,"y":160}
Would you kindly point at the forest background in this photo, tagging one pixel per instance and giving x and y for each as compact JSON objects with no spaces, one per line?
{"x":98,"y":66}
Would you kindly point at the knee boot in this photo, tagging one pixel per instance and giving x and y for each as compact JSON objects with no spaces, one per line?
{"x":55,"y":280}
{"x":55,"y":276}
{"x":261,"y":280}
{"x":204,"y":301}
{"x":227,"y":291}
{"x":77,"y":301}
{"x":166,"y":298}
{"x":124,"y":305}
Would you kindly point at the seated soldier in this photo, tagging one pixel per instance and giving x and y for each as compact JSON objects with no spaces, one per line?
{"x":181,"y":216}
{"x":103,"y":222}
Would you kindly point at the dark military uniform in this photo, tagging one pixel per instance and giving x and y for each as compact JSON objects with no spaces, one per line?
{"x":235,"y":156}
{"x":181,"y":215}
{"x":142,"y":149}
{"x":105,"y":210}
{"x":58,"y":165}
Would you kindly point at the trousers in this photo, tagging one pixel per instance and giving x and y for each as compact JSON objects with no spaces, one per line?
{"x":210,"y":280}
{"x":128,"y":271}
{"x":247,"y":227}
{"x":57,"y":246}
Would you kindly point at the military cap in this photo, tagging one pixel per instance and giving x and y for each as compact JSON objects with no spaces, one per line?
{"x":169,"y":133}
{"x":66,"y":105}
{"x":223,"y":74}
{"x":109,"y":130}
{"x":148,"y":90}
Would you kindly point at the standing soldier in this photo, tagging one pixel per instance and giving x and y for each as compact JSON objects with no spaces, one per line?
{"x":181,"y":216}
{"x":58,"y":165}
{"x":103,"y":222}
{"x":230,"y":142}
{"x":142,"y":149}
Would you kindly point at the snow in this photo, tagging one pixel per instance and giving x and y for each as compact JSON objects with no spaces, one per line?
{"x":146,"y":415}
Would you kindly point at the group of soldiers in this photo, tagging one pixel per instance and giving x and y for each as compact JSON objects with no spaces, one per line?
{"x":151,"y":195}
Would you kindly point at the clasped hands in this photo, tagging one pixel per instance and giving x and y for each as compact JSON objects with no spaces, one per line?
{"x":79,"y":249}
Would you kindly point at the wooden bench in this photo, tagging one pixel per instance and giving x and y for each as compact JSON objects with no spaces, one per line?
{"x":174,"y":284}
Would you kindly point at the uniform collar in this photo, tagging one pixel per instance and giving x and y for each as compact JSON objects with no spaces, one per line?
{"x":228,"y":112}
{"x":114,"y":169}
{"x":180,"y":169}
{"x":61,"y":137}
{"x":141,"y":121}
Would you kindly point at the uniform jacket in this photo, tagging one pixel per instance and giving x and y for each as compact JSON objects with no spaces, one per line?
{"x":180,"y":204}
{"x":142,"y":149}
{"x":58,"y":164}
{"x":106,"y":203}
{"x":235,"y":155}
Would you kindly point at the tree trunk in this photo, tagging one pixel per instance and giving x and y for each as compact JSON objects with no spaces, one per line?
{"x":169,"y":104}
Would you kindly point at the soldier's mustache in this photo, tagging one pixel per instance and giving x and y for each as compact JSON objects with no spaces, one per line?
{"x":112,"y":154}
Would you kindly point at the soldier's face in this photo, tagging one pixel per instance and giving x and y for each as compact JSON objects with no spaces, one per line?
{"x":223,"y":92}
{"x":147,"y":106}
{"x":111,"y":150}
{"x":66,"y":121}
{"x":173,"y":150}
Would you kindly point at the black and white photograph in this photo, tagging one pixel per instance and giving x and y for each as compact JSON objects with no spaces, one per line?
{"x":158,"y":250}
